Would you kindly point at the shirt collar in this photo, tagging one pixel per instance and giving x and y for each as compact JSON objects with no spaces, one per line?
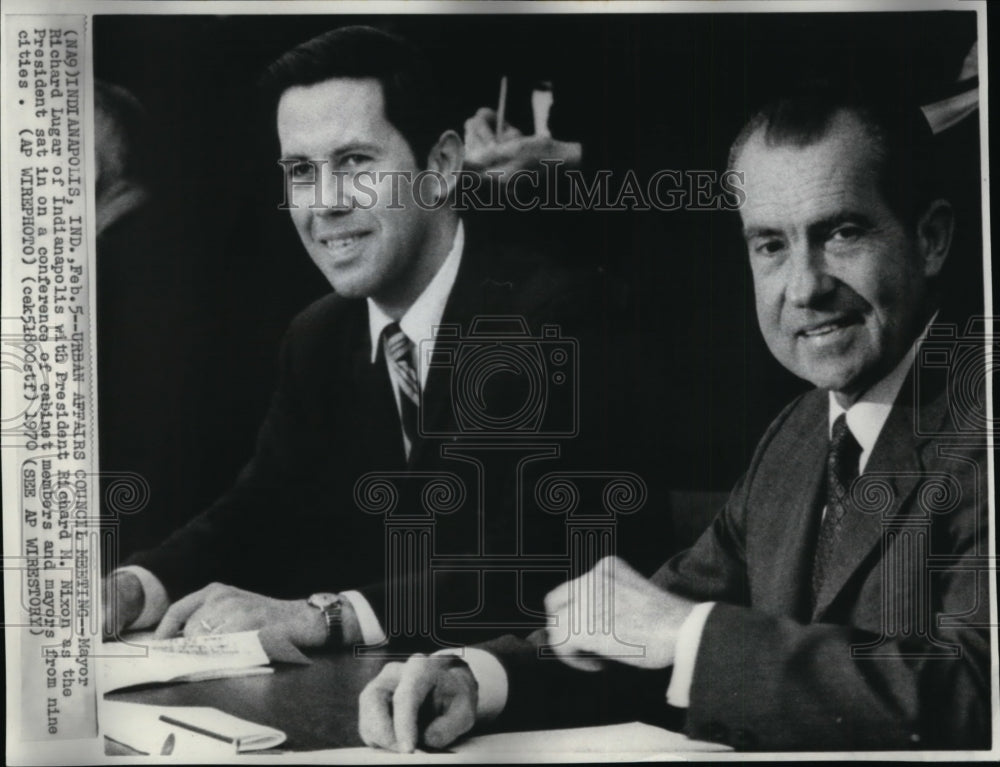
{"x":426,"y":312}
{"x":868,"y":414}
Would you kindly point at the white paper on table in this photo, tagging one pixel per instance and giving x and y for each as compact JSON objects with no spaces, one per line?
{"x":634,"y":741}
{"x":631,"y":738}
{"x":180,"y":659}
{"x":142,"y":727}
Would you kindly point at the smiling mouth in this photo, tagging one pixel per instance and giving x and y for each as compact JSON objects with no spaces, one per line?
{"x":341,"y":242}
{"x":826,"y":328}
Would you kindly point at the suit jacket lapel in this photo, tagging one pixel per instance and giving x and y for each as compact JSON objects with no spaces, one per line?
{"x":490,"y":281}
{"x":381,"y":432}
{"x":435,"y":393}
{"x":882,"y":492}
{"x":469,"y":297}
{"x":464,"y":302}
{"x":788,"y":530}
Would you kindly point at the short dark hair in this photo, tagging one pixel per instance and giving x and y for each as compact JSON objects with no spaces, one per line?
{"x":908,"y":176}
{"x":409,"y":88}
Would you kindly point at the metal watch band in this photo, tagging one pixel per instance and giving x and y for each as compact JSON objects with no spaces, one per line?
{"x":334,"y":615}
{"x":332,"y":608}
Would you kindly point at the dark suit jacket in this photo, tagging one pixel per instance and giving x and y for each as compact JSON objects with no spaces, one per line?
{"x":896,"y":653}
{"x":292,"y":525}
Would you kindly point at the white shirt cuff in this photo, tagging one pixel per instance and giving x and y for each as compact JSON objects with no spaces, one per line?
{"x":154,"y":597}
{"x":371,"y":629}
{"x":491,"y":678}
{"x":685,"y":655}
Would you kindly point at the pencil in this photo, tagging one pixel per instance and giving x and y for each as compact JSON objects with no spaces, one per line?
{"x":199,"y":730}
{"x":502,"y":106}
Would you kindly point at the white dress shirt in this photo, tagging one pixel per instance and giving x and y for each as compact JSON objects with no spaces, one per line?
{"x":418,"y":323}
{"x":425,"y":313}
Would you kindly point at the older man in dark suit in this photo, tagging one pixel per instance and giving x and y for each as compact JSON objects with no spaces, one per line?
{"x":841,"y":598}
{"x":372,"y":167}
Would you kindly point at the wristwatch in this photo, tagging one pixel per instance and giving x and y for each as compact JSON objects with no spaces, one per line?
{"x":331,"y":605}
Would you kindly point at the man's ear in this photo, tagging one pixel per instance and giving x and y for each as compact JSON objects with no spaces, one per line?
{"x":446,"y":157}
{"x":934,"y":231}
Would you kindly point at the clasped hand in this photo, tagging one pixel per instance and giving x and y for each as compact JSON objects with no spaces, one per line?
{"x":614,"y":612}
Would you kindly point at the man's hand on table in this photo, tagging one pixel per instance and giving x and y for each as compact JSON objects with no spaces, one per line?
{"x":426,"y":701}
{"x":592,"y":616}
{"x":123,"y":602}
{"x":218,"y":609}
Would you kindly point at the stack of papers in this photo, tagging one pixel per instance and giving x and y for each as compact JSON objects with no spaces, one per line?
{"x":182,"y":659}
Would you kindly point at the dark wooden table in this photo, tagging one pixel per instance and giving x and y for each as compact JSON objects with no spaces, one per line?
{"x":316,"y":706}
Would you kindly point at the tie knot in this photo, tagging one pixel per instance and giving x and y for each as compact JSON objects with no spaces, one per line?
{"x":841,"y":431}
{"x":841,"y":437}
{"x":845,"y":452}
{"x":397,"y":344}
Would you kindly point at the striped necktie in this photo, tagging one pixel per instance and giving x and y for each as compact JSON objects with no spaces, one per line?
{"x":841,"y":470}
{"x":399,"y":355}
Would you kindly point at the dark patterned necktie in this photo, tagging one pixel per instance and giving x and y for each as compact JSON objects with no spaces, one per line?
{"x":841,"y":470}
{"x":399,"y":355}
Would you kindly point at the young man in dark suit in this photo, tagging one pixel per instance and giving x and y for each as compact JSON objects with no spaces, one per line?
{"x":841,"y":599}
{"x":372,"y":167}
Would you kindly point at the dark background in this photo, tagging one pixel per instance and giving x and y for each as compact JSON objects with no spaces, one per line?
{"x":195,"y":293}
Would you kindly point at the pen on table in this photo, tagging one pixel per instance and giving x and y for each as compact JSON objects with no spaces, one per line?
{"x":168,"y":745}
{"x":193,"y":728}
{"x":502,"y":106}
